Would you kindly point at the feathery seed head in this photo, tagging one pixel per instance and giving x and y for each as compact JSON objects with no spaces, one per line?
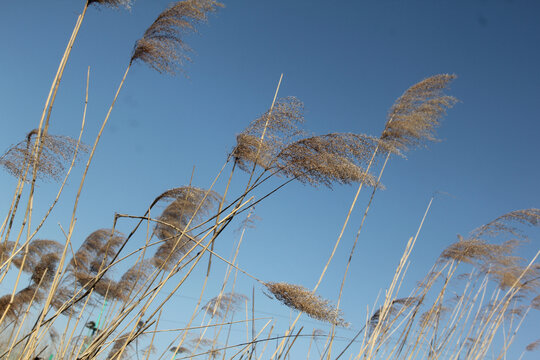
{"x":415,"y":115}
{"x":162,"y":46}
{"x":97,"y":250}
{"x":251,"y":148}
{"x":395,"y":308}
{"x":188,"y":203}
{"x":533,"y":346}
{"x":45,"y":269}
{"x":120,"y":343}
{"x":37,"y":250}
{"x":469,"y":251}
{"x":505,"y":224}
{"x":222,"y":304}
{"x":535,"y":303}
{"x":178,"y":350}
{"x":132,"y":279}
{"x":95,"y":253}
{"x":301,"y":299}
{"x":280,"y":125}
{"x":330,"y":158}
{"x":57,"y":151}
{"x":111,"y":3}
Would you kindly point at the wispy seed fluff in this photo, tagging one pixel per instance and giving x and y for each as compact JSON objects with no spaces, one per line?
{"x":162,"y":46}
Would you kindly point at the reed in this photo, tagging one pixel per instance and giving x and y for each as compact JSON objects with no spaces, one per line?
{"x":110,"y":297}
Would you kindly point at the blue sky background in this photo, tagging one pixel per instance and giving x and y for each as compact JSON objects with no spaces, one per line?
{"x":347,"y":61}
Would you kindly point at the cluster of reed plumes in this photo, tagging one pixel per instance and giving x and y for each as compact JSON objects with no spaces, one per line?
{"x":103,"y":298}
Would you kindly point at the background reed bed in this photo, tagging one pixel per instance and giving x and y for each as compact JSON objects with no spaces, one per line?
{"x":139,"y":246}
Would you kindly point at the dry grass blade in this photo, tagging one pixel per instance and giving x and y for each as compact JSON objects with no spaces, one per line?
{"x":111,"y":3}
{"x":301,"y":299}
{"x":57,"y":152}
{"x":415,"y":115}
{"x":505,"y":223}
{"x":327,"y":159}
{"x":282,"y":127}
{"x":162,"y":46}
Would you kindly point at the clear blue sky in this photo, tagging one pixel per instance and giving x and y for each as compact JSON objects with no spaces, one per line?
{"x":347,"y":61}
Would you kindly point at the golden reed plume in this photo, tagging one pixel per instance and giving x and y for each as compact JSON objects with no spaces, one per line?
{"x":301,"y":299}
{"x":162,"y":46}
{"x":56,"y":153}
{"x":111,"y":3}
{"x":188,"y":203}
{"x":415,"y":115}
{"x":316,"y":160}
{"x":327,"y":159}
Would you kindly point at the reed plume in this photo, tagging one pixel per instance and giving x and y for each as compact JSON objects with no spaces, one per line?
{"x":507,"y":224}
{"x":30,"y":295}
{"x":56,"y":153}
{"x":515,"y":276}
{"x":328,"y":159}
{"x":162,"y":46}
{"x":533,"y":346}
{"x":535,"y":303}
{"x":282,"y":125}
{"x":45,"y":269}
{"x":179,"y":350}
{"x":315,"y":160}
{"x":120,"y":343}
{"x":392,"y":309}
{"x":132,"y":280}
{"x":415,"y":115}
{"x":37,"y":251}
{"x":471,"y":251}
{"x":93,"y":255}
{"x":111,"y":3}
{"x":299,"y":298}
{"x":221,"y":304}
{"x":188,"y":204}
